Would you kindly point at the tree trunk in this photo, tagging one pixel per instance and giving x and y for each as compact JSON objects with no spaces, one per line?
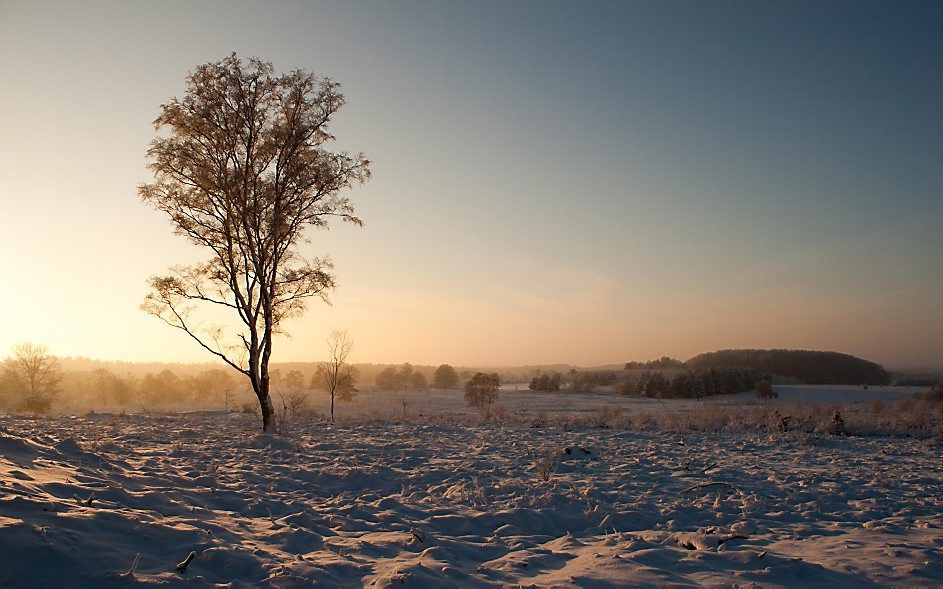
{"x":260,"y":384}
{"x":332,"y":408}
{"x":268,"y":413}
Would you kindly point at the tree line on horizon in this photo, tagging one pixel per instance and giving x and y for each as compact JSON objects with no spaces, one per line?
{"x":656,"y":384}
{"x":31,"y":379}
{"x":663,"y":363}
{"x":722,"y":372}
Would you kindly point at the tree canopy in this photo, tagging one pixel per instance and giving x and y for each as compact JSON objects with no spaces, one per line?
{"x":445,"y":377}
{"x":31,"y":377}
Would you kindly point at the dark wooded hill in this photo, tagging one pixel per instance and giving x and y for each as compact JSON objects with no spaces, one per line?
{"x":810,"y":366}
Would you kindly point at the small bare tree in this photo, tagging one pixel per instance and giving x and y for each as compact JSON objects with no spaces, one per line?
{"x":336,"y":376}
{"x":405,"y":376}
{"x":243,"y":170}
{"x":32,"y":375}
{"x":103,"y":382}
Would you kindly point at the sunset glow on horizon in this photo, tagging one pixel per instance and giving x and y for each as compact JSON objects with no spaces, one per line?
{"x":584,"y":184}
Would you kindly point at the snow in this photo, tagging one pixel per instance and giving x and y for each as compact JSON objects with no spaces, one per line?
{"x":439,"y":503}
{"x":844,"y":394}
{"x":383,"y":404}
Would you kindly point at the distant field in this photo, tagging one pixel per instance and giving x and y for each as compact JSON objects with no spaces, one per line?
{"x":843,"y":394}
{"x":438,"y":402}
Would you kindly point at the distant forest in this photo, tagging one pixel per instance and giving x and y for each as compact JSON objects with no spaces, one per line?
{"x":811,"y":367}
{"x":691,"y":384}
{"x":662,"y":363}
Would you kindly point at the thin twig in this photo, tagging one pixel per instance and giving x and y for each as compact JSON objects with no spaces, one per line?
{"x":711,"y":484}
{"x":134,"y":565}
{"x":182,"y":566}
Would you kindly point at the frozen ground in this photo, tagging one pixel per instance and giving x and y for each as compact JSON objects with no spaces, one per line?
{"x":427,"y":504}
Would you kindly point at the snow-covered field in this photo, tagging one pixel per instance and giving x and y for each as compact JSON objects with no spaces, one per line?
{"x":427,"y":503}
{"x":436,"y":402}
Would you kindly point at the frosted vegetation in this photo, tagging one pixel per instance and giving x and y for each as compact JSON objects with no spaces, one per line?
{"x":822,"y":485}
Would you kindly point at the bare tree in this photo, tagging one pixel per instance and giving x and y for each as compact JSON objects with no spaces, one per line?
{"x":123,"y":388}
{"x":32,"y":375}
{"x":336,"y":376}
{"x":103,"y":381}
{"x":405,"y":376}
{"x":111,"y":389}
{"x":243,"y":171}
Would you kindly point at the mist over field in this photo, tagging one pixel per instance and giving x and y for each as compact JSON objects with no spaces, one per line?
{"x":471,"y":294}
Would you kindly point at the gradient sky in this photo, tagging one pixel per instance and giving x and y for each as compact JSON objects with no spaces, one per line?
{"x":584,"y":182}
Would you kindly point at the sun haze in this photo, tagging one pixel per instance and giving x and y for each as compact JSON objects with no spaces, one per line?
{"x":562,"y":182}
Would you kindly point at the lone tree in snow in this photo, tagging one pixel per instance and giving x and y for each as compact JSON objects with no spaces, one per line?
{"x":31,"y":375}
{"x":481,"y":390}
{"x":336,"y":376}
{"x":242,"y":169}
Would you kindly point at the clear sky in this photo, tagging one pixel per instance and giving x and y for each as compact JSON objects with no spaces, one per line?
{"x":583,"y":182}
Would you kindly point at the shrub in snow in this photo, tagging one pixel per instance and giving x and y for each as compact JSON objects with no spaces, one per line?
{"x":607,"y":416}
{"x":547,"y":465}
{"x":838,"y":424}
{"x":764,"y":390}
{"x":546,"y":382}
{"x":935,"y":394}
{"x":481,"y":390}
